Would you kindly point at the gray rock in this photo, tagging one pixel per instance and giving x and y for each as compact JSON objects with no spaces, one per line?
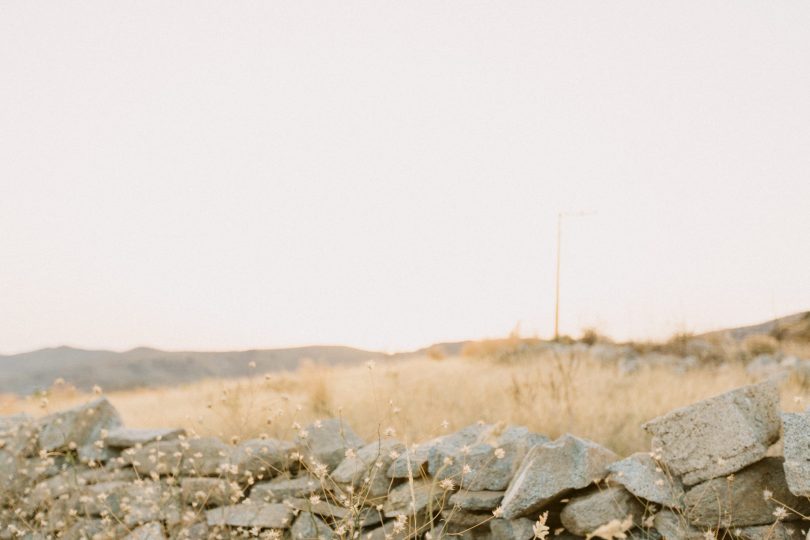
{"x":487,"y":470}
{"x":460,"y":519}
{"x":797,"y":452}
{"x":476,"y":501}
{"x":552,"y":470}
{"x":18,"y":435}
{"x":776,"y":531}
{"x":719,"y":435}
{"x":674,"y":526}
{"x":586,"y":513}
{"x":642,"y":476}
{"x":368,"y":466}
{"x":740,"y":502}
{"x":283,"y":488}
{"x":308,"y":526}
{"x":79,"y":428}
{"x":260,"y":459}
{"x":365,"y":516}
{"x":407,"y":499}
{"x":125,"y":437}
{"x":512,"y":529}
{"x":150,"y":531}
{"x":193,"y":457}
{"x":326,"y":442}
{"x":209,"y":491}
{"x":419,"y":455}
{"x":272,"y":516}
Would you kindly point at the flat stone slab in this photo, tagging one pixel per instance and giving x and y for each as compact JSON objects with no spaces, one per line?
{"x":209,"y":491}
{"x":584,"y":514}
{"x":642,"y":476}
{"x":127,"y":437}
{"x":719,"y":435}
{"x":269,"y":515}
{"x":513,"y":529}
{"x":476,"y":501}
{"x":741,"y":501}
{"x":551,"y":471}
{"x":79,"y":428}
{"x":797,"y":452}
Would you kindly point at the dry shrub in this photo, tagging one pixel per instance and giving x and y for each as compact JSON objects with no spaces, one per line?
{"x":757,"y":344}
{"x":436,"y":352}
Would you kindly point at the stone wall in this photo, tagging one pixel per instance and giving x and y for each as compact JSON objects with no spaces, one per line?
{"x":711,"y":473}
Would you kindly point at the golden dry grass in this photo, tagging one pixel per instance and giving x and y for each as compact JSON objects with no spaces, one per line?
{"x":421,"y":398}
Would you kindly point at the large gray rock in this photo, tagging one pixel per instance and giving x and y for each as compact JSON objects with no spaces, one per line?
{"x":271,"y":516}
{"x":126,"y":437}
{"x":719,"y":435}
{"x":487,"y":471}
{"x":80,"y":428}
{"x":775,"y":531}
{"x":476,"y":501}
{"x":205,"y":456}
{"x":797,"y":452}
{"x":586,"y":513}
{"x":551,"y":471}
{"x":512,"y":529}
{"x":260,"y":459}
{"x":209,"y":491}
{"x":18,"y":435}
{"x":642,"y":476}
{"x":326,"y":442}
{"x":430,"y":454}
{"x":365,"y":516}
{"x":367,"y":467}
{"x":407,"y":499}
{"x":740,"y":502}
{"x":674,"y":526}
{"x":308,"y":526}
{"x":150,"y":531}
{"x":280,"y":489}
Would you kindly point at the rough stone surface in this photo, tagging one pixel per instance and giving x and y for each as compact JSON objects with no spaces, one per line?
{"x":674,"y":526}
{"x":513,"y":529}
{"x":209,"y":491}
{"x":740,"y":502}
{"x":552,"y":470}
{"x":326,"y":441}
{"x":369,"y":463}
{"x":79,"y":428}
{"x":205,"y":456}
{"x":776,"y":531}
{"x":150,"y":531}
{"x":487,"y":471}
{"x":584,"y":514}
{"x":280,"y":489}
{"x":125,"y":437}
{"x":272,"y":516}
{"x":719,"y":435}
{"x":477,"y":501}
{"x":308,"y":526}
{"x":642,"y":476}
{"x":407,"y":498}
{"x":797,"y":452}
{"x":260,"y":459}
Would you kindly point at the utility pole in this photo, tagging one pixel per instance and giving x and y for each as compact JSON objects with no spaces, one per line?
{"x":560,"y":217}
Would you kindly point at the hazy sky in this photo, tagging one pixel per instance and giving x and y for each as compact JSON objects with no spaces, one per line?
{"x":388,"y":174}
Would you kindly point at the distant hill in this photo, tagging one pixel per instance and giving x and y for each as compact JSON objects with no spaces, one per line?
{"x":791,"y":327}
{"x":145,"y":367}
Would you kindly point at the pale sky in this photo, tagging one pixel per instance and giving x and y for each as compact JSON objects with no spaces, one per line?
{"x":218,"y":175}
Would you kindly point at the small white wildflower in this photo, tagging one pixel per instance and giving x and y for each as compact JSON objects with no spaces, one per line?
{"x":540,"y":528}
{"x":767,"y":494}
{"x":447,"y":484}
{"x":500,"y":453}
{"x":498,"y":512}
{"x":780,"y":513}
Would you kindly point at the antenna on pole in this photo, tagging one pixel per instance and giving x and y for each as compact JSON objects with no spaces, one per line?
{"x":560,"y":217}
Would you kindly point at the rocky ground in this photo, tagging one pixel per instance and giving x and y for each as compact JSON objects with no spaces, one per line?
{"x":712,"y":472}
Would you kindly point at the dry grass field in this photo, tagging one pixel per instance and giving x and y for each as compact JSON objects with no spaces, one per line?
{"x":419,"y":398}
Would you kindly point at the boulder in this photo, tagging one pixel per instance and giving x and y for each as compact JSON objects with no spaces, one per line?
{"x":642,"y":476}
{"x":280,"y":489}
{"x":150,"y":531}
{"x":207,"y":492}
{"x":674,"y":526}
{"x":407,"y":499}
{"x":18,"y":435}
{"x":431,"y":454}
{"x":326,"y":442}
{"x":476,"y":501}
{"x":512,"y":529}
{"x":126,"y":437}
{"x":775,"y":531}
{"x":366,"y":468}
{"x":797,"y":452}
{"x":271,"y":516}
{"x":719,"y":435}
{"x":740,"y":500}
{"x":308,"y":526}
{"x":488,"y":463}
{"x":551,"y":471}
{"x":584,"y":514}
{"x":260,"y":459}
{"x":79,"y":429}
{"x":207,"y":456}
